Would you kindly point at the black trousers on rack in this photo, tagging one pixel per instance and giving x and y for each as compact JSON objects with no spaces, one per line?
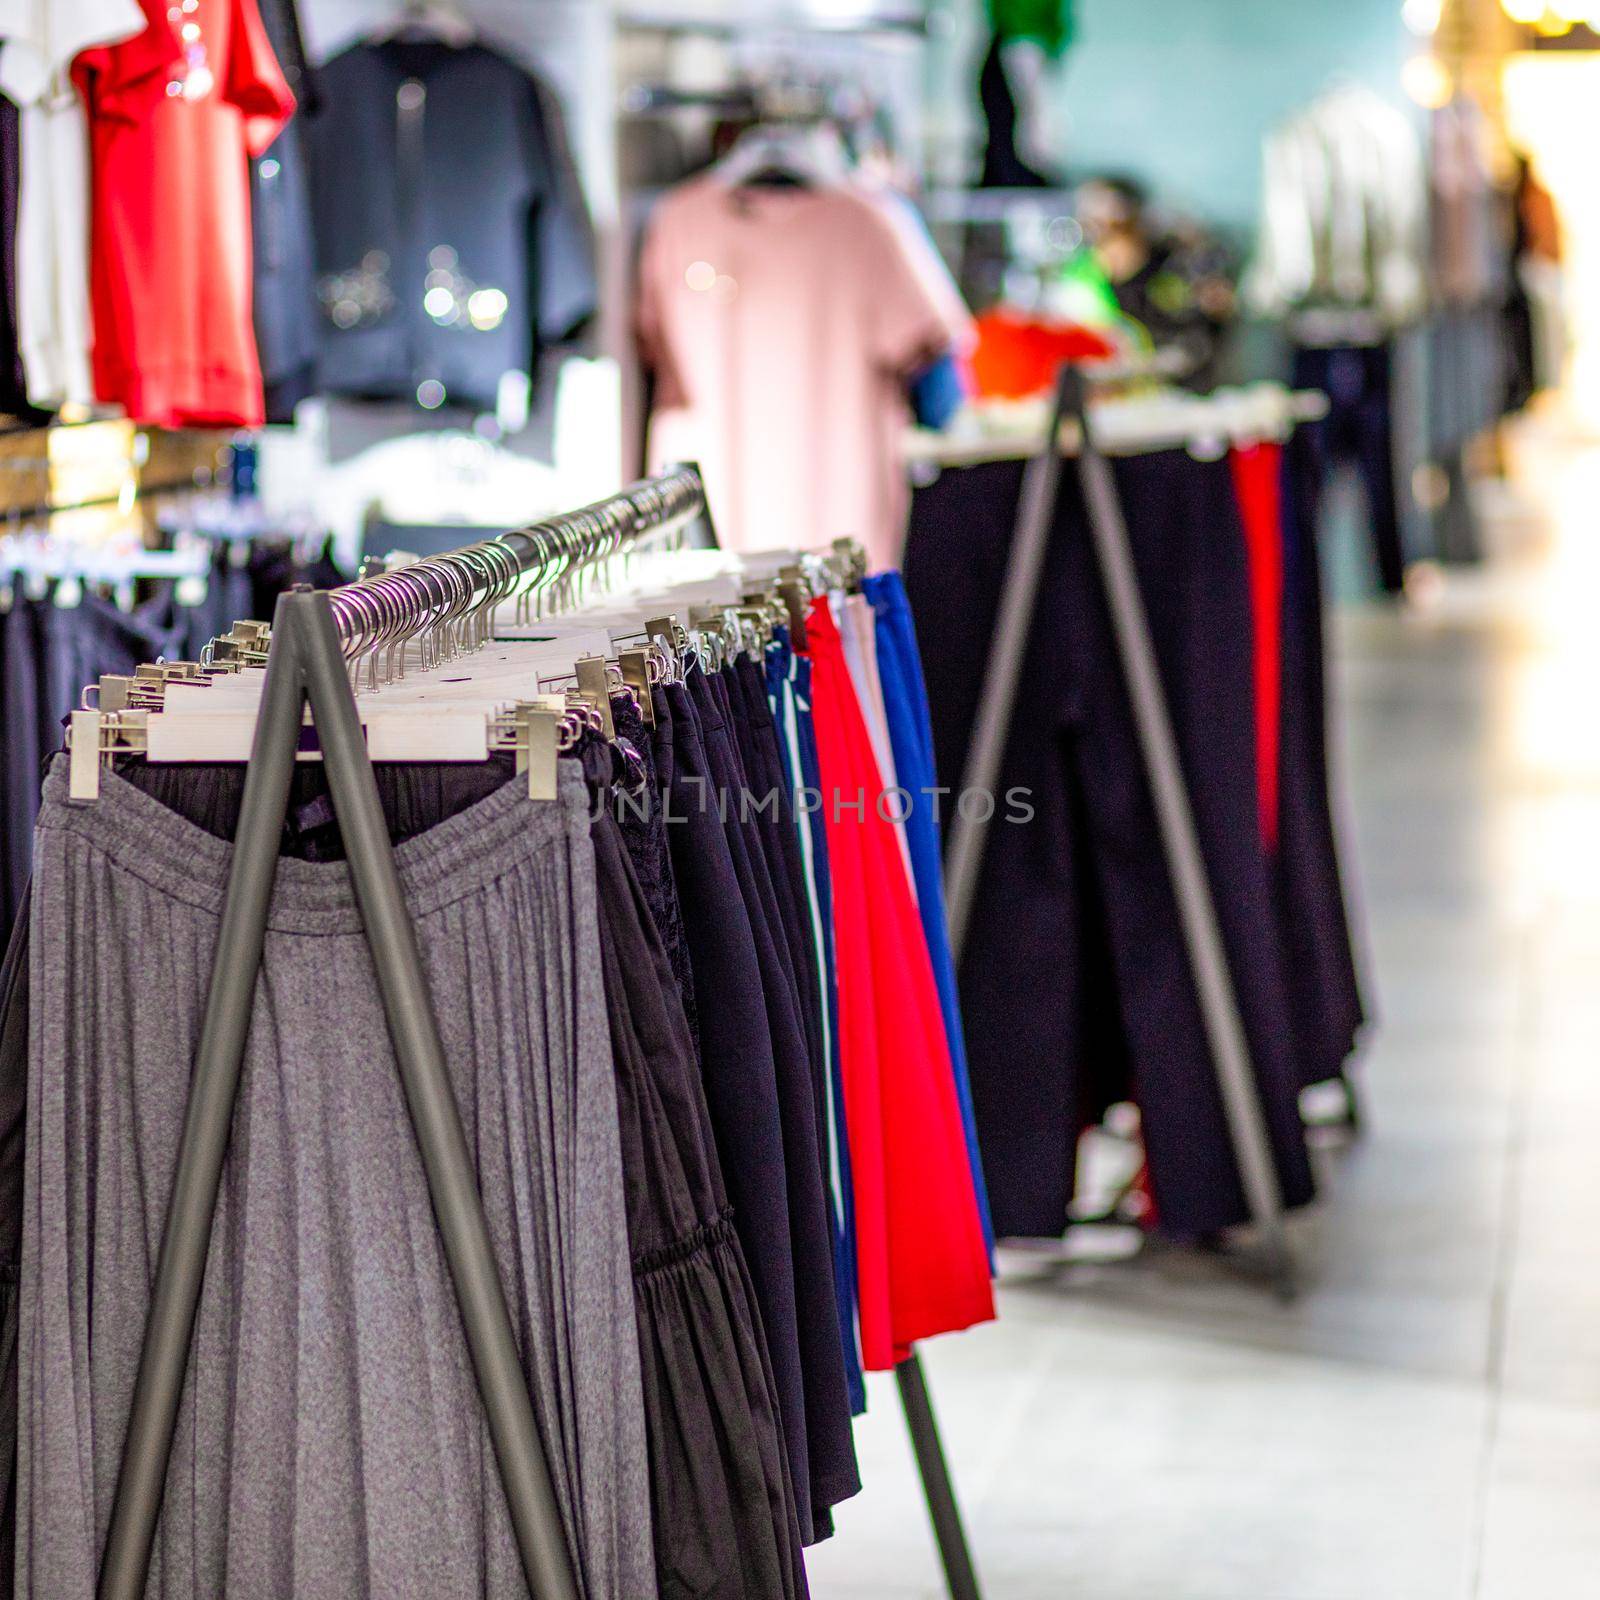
{"x":758,"y":1086}
{"x":1324,"y":988}
{"x":722,"y":1503}
{"x":644,"y":834}
{"x":757,"y":737}
{"x":1359,"y":430}
{"x":49,"y":652}
{"x":830,"y":1447}
{"x":1075,"y":982}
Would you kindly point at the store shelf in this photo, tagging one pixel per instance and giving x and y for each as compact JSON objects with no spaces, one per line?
{"x":736,"y":21}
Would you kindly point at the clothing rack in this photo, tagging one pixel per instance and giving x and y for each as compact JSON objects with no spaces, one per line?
{"x":1071,"y":431}
{"x":315,"y":638}
{"x":1133,"y":425}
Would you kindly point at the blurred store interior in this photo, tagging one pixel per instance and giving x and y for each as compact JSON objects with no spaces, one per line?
{"x":1163,"y":1171}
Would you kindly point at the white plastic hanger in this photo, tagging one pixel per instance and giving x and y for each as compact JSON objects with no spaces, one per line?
{"x":813,"y":152}
{"x":440,"y":20}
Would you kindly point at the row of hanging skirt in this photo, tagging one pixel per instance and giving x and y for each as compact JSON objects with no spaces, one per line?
{"x":707,"y":1058}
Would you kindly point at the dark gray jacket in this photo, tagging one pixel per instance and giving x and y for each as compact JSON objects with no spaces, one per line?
{"x":452,"y":241}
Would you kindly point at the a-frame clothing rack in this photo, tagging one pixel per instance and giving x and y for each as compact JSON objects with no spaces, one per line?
{"x":313,"y":636}
{"x":965,"y":843}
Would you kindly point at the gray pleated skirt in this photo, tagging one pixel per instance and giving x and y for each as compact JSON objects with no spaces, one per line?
{"x":331,"y":1442}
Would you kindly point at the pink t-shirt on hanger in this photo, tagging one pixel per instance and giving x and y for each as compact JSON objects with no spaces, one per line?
{"x":783,"y":324}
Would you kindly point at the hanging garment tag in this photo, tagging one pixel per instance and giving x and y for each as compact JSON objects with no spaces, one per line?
{"x":83,"y":774}
{"x":595,"y":684}
{"x":635,"y":666}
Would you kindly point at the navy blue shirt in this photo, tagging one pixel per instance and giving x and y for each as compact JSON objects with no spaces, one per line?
{"x":452,"y":241}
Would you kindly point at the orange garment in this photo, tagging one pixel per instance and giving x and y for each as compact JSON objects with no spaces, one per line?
{"x":1541,"y":222}
{"x":1018,"y":356}
{"x":175,"y":114}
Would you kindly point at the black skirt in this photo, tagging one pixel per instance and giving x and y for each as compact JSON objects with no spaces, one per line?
{"x":723,"y":1504}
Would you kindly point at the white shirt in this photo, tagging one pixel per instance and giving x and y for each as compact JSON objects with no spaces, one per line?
{"x":1344,"y":214}
{"x":41,"y":39}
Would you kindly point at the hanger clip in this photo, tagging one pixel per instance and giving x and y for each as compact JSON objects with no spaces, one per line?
{"x":113,"y":693}
{"x":594,"y":684}
{"x":635,"y":666}
{"x":792,"y":592}
{"x":852,"y":560}
{"x":669,"y":637}
{"x":757,"y":620}
{"x":83,"y":774}
{"x":538,"y":748}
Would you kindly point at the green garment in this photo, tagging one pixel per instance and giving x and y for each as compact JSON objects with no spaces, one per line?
{"x":1084,"y":293}
{"x":1047,"y":23}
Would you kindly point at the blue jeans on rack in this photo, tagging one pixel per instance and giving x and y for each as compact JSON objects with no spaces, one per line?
{"x":911,"y":735}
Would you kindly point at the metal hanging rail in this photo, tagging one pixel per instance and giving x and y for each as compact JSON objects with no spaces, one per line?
{"x":458,"y":592}
{"x":314,"y":639}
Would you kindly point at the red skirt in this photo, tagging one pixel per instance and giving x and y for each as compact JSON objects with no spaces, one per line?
{"x":1258,"y":487}
{"x":921,"y":1258}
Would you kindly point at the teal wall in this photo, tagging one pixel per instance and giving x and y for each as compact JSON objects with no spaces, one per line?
{"x":1181,"y":92}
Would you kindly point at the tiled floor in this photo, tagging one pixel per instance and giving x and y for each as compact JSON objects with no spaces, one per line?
{"x":1424,"y":1424}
